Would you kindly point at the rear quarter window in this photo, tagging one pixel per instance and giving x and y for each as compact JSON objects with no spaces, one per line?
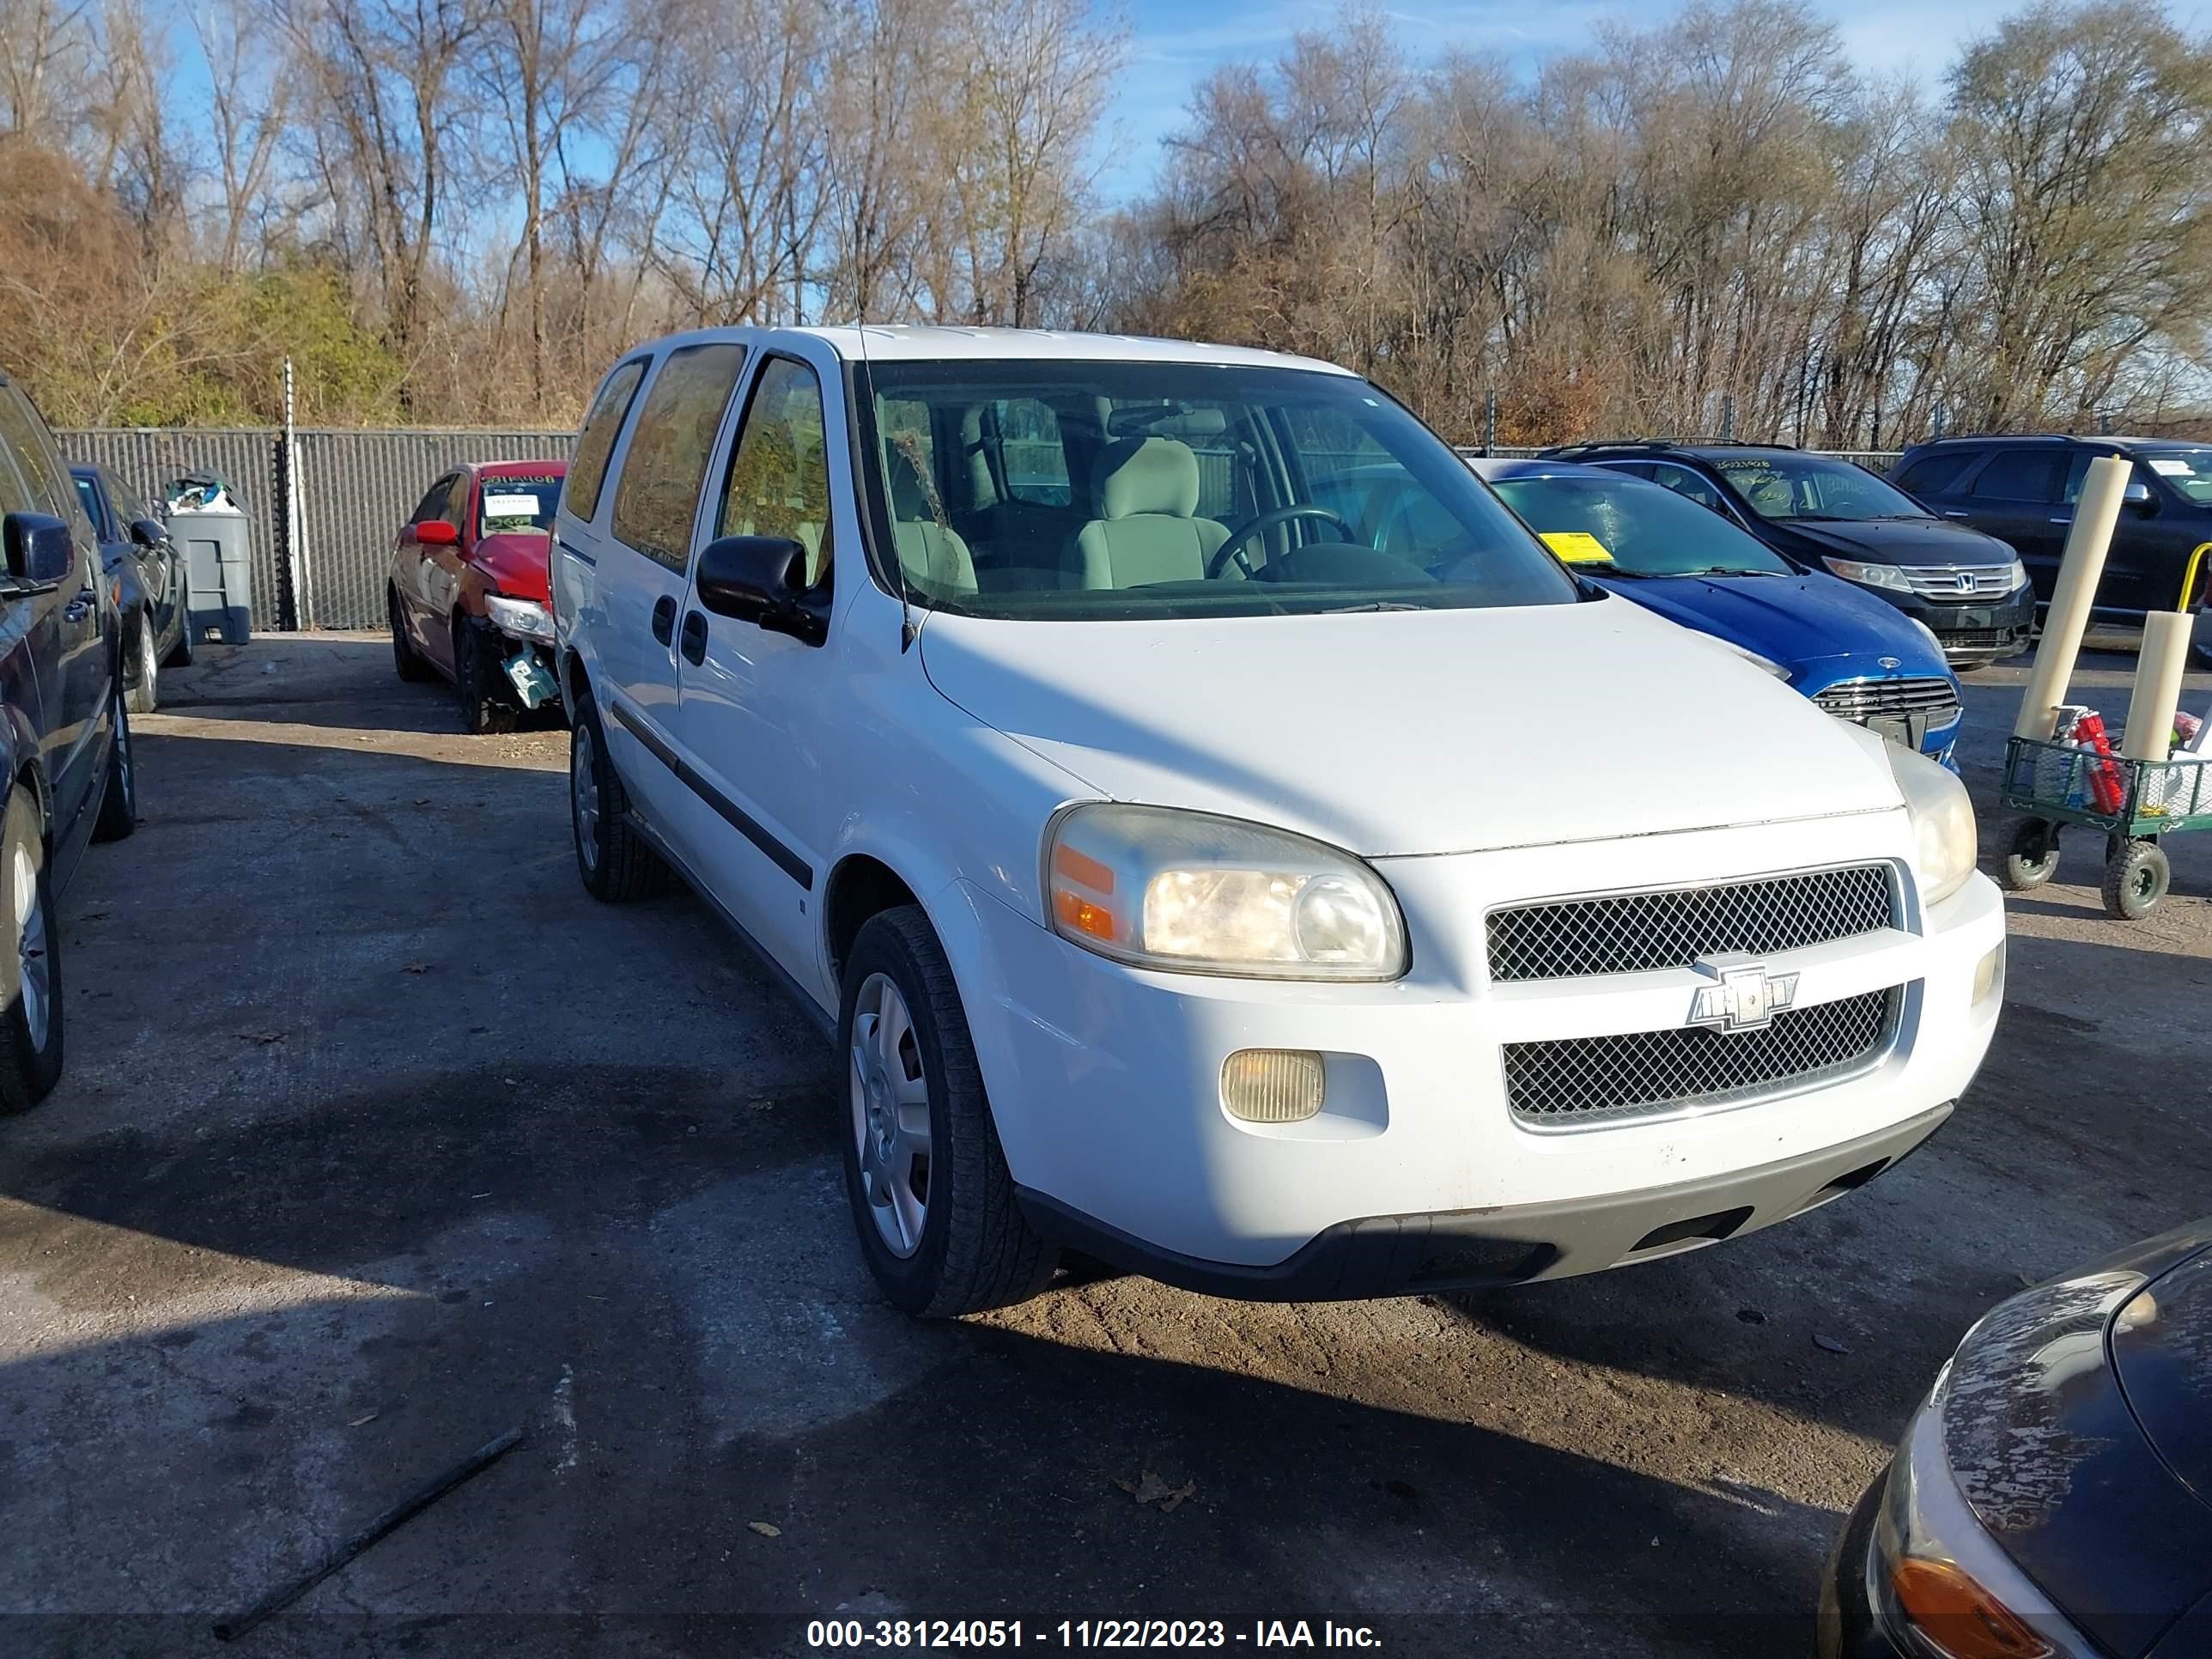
{"x":657,"y":496}
{"x":1938,"y":475}
{"x":595,"y":444}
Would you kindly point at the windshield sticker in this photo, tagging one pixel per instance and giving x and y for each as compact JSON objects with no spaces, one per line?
{"x":2170,"y":469}
{"x":510,"y":506}
{"x":1577,"y":547}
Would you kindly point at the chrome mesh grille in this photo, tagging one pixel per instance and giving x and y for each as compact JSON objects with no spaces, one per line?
{"x":1944,"y":581}
{"x":1636,"y":932}
{"x":1856,"y":699}
{"x":1567,"y":1082}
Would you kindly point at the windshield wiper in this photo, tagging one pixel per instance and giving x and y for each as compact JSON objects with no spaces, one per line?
{"x":1379,"y":605}
{"x":1730,"y":570}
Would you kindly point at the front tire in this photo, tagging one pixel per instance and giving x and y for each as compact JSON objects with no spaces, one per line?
{"x":142,"y":689}
{"x":119,"y":792}
{"x":932,"y":1198}
{"x":31,"y":970}
{"x":2137,"y":877}
{"x":2032,"y":859}
{"x":483,"y":710}
{"x":617,"y":864}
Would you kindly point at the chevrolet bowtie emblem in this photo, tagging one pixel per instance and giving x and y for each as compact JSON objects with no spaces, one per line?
{"x":1743,"y":996}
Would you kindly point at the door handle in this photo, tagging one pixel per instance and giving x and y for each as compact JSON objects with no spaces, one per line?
{"x":664,"y":619}
{"x":1954,"y":512}
{"x":81,"y":607}
{"x":2064,"y":517}
{"x":695,"y":637}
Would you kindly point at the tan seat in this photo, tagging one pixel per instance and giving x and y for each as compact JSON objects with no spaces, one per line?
{"x":928,"y":551}
{"x":1146,"y":491}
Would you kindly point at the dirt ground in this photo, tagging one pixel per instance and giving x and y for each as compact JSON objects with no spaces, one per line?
{"x":378,"y":1138}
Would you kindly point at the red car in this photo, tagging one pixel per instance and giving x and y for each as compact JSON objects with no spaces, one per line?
{"x":470,"y":593}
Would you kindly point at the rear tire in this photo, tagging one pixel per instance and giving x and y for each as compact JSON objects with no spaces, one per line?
{"x":181,"y":654}
{"x":118,"y":791}
{"x":143,"y":690}
{"x":482,"y":710}
{"x":31,"y":965}
{"x":616,"y":863}
{"x":969,"y":1247}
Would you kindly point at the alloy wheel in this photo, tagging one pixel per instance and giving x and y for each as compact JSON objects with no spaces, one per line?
{"x":584,"y":794}
{"x":34,"y":972}
{"x":891,"y":1114}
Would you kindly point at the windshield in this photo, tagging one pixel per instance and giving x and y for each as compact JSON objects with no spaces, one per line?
{"x":1814,"y":487}
{"x":2189,"y":470}
{"x":518,"y":502}
{"x":1614,"y":522}
{"x":1098,"y":490}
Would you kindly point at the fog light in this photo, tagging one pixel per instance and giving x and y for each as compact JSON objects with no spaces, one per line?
{"x":1988,"y":974}
{"x":1271,"y":1085}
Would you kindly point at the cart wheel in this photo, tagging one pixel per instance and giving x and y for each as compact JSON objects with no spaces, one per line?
{"x":2136,"y":879}
{"x":2033,"y":858}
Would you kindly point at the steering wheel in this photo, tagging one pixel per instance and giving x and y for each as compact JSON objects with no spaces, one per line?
{"x":1234,"y":547}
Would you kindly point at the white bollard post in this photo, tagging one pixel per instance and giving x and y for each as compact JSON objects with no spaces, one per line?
{"x":2067,"y":619}
{"x":2159,"y":669}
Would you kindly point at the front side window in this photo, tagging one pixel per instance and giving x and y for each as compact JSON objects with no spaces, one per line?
{"x":1190,"y":490}
{"x":21,"y":431}
{"x":1798,"y":486}
{"x":88,"y":493}
{"x":433,"y":504}
{"x":665,"y":464}
{"x":2187,"y":471}
{"x":1623,"y":525}
{"x":779,"y":481}
{"x":595,"y":444}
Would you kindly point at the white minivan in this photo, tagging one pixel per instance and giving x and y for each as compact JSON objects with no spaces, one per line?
{"x":1213,"y":860}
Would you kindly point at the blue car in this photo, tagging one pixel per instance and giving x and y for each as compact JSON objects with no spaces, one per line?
{"x":1856,"y":657}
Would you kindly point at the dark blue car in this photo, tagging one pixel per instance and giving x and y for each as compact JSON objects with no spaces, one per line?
{"x":1855,"y":656}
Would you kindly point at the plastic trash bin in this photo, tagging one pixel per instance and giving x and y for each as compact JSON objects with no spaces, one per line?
{"x":218,"y":549}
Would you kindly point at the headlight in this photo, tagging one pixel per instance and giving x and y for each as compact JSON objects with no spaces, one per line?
{"x":524,"y":618}
{"x":1944,"y":840}
{"x":1942,"y":1586}
{"x":2018,"y":575}
{"x":1199,"y":894}
{"x":1868,"y":575}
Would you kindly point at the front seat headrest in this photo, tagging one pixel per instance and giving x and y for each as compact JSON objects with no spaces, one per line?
{"x":1133,"y":475}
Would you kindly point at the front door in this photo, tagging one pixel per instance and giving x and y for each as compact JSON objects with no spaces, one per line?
{"x":2020,"y":497}
{"x":640,"y":576}
{"x":86,"y":668}
{"x":750,"y":701}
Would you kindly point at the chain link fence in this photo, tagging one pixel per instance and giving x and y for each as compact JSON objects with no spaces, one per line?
{"x":355,"y":489}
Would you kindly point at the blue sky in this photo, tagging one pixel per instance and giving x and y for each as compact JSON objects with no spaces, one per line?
{"x":1176,"y":43}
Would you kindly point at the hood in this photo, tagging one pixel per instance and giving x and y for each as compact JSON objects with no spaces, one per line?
{"x":2067,"y":1422}
{"x":1402,"y":732}
{"x":1795,"y":621}
{"x":1900,"y":541}
{"x":2162,"y":1348}
{"x":518,"y":561}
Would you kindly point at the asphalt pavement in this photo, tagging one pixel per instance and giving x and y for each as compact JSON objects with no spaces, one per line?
{"x":378,"y":1138}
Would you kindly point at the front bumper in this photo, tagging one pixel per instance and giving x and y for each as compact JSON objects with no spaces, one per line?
{"x":1105,"y":1081}
{"x":1987,"y":630}
{"x":1849,"y":1627}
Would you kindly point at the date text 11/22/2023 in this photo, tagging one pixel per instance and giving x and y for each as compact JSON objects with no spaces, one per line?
{"x":1086,"y":1633}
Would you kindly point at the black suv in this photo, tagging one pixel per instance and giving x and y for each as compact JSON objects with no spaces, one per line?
{"x":2024,"y":489}
{"x":1824,"y":514}
{"x":65,"y":739}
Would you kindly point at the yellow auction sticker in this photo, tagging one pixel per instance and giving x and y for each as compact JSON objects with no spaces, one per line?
{"x":1577,"y":547}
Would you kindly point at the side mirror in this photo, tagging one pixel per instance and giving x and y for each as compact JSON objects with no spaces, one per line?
{"x":2138,"y":498}
{"x":148,"y":532}
{"x":39,"y":548}
{"x":437,"y":532}
{"x":760,"y":580}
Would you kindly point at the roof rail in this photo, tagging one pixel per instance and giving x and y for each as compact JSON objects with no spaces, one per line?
{"x":1557,"y":450}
